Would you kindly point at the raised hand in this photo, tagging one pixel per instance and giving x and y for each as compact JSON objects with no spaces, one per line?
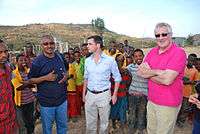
{"x":51,"y":76}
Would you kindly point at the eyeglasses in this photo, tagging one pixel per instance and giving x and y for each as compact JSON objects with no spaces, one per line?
{"x":162,"y":34}
{"x":48,"y":43}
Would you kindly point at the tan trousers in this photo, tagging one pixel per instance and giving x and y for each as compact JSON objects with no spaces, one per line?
{"x":161,"y":119}
{"x":97,"y":104}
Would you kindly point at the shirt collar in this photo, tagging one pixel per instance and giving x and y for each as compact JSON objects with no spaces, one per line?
{"x":166,"y":51}
{"x":102,"y":55}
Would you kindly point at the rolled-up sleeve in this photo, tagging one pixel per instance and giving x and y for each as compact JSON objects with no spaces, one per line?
{"x":115,"y":71}
{"x":86,"y":70}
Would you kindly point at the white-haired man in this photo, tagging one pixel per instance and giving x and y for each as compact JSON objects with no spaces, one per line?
{"x":164,"y":67}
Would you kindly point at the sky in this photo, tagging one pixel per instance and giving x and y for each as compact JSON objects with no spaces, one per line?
{"x":136,"y":18}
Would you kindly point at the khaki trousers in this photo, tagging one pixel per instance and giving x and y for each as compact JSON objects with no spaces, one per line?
{"x":161,"y":119}
{"x":97,"y":105}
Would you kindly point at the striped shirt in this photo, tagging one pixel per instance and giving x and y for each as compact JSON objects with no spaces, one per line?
{"x":138,"y":83}
{"x":124,"y":84}
{"x":27,"y":95}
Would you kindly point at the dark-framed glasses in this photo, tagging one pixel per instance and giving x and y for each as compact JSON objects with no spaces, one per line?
{"x":162,"y":34}
{"x":48,"y":43}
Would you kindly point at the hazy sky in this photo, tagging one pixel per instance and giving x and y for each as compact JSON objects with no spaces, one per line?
{"x":135,"y":18}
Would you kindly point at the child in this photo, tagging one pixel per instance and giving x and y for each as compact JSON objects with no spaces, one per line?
{"x":118,"y":111}
{"x":137,"y":96}
{"x":79,"y":72}
{"x":197,"y":66}
{"x":24,"y":97}
{"x":190,"y":76}
{"x":71,"y":90}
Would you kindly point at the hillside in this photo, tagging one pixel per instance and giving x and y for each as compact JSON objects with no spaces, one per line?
{"x":73,"y":34}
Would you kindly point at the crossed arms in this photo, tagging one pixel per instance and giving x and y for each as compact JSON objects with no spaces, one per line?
{"x":165,"y":77}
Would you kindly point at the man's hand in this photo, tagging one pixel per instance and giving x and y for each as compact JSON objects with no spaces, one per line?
{"x":64,"y":79}
{"x":144,"y":67}
{"x":144,"y":70}
{"x":51,"y":76}
{"x":84,"y":90}
{"x":114,"y":99}
{"x":83,"y":97}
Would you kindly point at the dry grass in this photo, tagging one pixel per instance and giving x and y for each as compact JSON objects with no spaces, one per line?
{"x":193,"y":50}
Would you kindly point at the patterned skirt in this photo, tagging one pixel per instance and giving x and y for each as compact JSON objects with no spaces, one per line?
{"x":118,"y":111}
{"x":72,"y":104}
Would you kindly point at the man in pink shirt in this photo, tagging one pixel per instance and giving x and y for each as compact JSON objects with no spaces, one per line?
{"x":164,"y":67}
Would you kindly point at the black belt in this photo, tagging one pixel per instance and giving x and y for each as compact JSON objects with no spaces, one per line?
{"x":97,"y":92}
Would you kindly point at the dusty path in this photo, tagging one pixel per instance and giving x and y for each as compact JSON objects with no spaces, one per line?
{"x":79,"y":128}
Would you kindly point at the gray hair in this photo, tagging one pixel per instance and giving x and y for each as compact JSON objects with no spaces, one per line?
{"x":47,"y":36}
{"x":159,"y":25}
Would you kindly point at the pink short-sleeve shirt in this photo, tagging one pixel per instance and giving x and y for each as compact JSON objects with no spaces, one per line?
{"x":174,"y":59}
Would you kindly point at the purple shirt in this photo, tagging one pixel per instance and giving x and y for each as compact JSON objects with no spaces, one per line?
{"x":173,"y":59}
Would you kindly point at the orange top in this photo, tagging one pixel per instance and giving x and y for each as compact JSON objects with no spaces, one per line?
{"x":192,"y":75}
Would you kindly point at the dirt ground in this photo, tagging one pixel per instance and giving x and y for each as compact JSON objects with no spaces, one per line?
{"x":79,"y":128}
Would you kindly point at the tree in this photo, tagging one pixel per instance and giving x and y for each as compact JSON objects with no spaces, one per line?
{"x":10,"y":46}
{"x":189,"y":40}
{"x":98,"y":26}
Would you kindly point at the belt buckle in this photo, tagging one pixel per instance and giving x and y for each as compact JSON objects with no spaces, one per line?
{"x":97,"y":92}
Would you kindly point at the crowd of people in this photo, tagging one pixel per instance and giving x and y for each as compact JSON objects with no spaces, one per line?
{"x":148,"y":93}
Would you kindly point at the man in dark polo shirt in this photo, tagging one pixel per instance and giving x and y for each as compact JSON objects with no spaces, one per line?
{"x":48,"y":72}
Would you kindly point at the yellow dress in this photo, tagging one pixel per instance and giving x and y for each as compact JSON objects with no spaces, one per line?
{"x":71,"y":82}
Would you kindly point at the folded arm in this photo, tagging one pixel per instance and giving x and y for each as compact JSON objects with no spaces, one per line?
{"x":165,"y":77}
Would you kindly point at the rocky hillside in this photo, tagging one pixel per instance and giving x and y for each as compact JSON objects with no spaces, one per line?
{"x":73,"y":34}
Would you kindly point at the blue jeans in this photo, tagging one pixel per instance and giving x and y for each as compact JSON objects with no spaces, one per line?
{"x":57,"y":114}
{"x":196,"y":127}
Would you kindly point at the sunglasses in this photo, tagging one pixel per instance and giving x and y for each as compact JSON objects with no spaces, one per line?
{"x":48,"y":43}
{"x":162,"y":34}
